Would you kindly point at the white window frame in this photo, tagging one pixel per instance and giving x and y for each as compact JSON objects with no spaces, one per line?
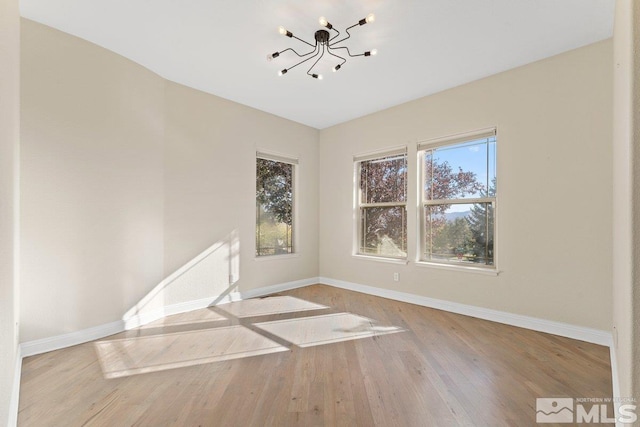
{"x":358,"y":205}
{"x":452,"y":140}
{"x":282,"y":158}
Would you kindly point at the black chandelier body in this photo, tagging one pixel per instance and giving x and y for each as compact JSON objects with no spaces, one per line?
{"x":324,"y":44}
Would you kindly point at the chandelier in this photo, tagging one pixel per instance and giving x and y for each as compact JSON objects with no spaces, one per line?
{"x":324,"y":44}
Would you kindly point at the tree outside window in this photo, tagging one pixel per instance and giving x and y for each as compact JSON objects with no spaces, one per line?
{"x":382,"y":199}
{"x":274,"y":207}
{"x":458,"y":201}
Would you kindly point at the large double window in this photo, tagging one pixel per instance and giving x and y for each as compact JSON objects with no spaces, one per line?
{"x":456,"y":202}
{"x":382,"y":202}
{"x":458,"y":199}
{"x":275,"y":177}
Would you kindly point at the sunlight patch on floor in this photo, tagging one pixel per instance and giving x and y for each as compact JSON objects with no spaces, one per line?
{"x":326,"y":329}
{"x":144,"y":354}
{"x":269,"y":305}
{"x":197,"y":316}
{"x":131,"y":356}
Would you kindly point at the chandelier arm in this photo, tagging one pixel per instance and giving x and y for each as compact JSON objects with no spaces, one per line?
{"x":347,"y":49}
{"x":324,"y":43}
{"x":337,"y":56}
{"x":303,"y":41}
{"x":314,"y":64}
{"x":348,"y":35}
{"x":338,"y":33}
{"x":294,"y":51}
{"x":305,"y":60}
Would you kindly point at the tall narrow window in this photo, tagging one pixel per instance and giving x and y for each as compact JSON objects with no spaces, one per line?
{"x":274,"y":205}
{"x":382,"y":201}
{"x":459,"y":200}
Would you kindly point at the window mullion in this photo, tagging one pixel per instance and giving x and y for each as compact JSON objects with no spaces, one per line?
{"x":443,"y":238}
{"x":459,"y":201}
{"x":382,"y":225}
{"x":383,"y":205}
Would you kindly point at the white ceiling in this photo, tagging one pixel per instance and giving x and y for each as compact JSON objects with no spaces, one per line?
{"x":424,"y":46}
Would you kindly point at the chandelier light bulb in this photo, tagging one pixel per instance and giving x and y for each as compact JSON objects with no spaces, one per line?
{"x":273,"y":55}
{"x":324,"y":45}
{"x":323,"y":21}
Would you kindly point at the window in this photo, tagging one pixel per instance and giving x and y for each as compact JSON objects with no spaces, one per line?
{"x":382,"y":201}
{"x":274,"y":205}
{"x":458,"y":200}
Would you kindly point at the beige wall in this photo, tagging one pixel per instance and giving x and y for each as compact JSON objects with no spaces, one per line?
{"x":554,"y":178}
{"x":635,"y":143}
{"x":91,"y":188}
{"x":127,"y":177}
{"x":209,"y":180}
{"x":626,"y":199}
{"x":9,"y":137}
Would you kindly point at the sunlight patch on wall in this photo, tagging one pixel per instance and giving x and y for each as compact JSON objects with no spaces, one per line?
{"x":209,"y":277}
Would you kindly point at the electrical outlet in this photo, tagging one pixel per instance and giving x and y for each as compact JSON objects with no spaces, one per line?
{"x":396,"y":277}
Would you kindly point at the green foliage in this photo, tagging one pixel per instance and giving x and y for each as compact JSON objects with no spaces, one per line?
{"x":274,"y":207}
{"x":381,"y":181}
{"x":453,"y":238}
{"x":481,"y":223}
{"x":444,"y":183}
{"x":468,"y":238}
{"x":272,"y":237}
{"x":274,"y":189}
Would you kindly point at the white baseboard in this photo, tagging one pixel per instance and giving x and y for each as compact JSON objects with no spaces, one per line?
{"x":44,"y":345}
{"x":183,"y":307}
{"x":594,"y":336}
{"x":267,"y":290}
{"x":57,"y":342}
{"x":15,"y":392}
{"x":31,"y":348}
{"x":557,"y":328}
{"x":615,"y":382}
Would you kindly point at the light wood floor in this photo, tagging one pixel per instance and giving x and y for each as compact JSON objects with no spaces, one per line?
{"x":311,"y":357}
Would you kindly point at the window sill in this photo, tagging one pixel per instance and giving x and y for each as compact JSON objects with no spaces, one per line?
{"x":381,"y":259}
{"x":462,"y":268}
{"x":276,"y":257}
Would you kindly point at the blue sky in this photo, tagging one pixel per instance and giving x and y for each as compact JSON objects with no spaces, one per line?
{"x":471,"y":157}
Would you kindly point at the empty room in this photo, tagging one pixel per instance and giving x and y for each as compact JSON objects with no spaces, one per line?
{"x":331,"y":213}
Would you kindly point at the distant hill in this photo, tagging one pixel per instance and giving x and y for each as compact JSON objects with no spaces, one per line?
{"x":452,"y":216}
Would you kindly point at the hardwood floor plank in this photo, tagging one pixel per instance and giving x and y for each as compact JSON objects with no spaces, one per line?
{"x":344,"y":359}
